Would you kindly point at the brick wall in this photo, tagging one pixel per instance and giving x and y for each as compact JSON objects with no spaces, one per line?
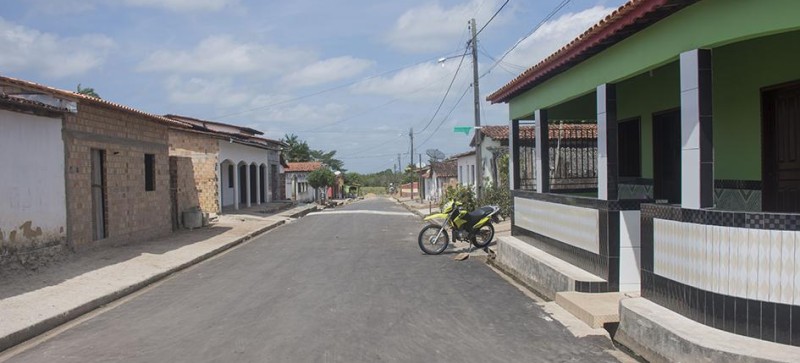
{"x":194,"y":158}
{"x":131,"y":213}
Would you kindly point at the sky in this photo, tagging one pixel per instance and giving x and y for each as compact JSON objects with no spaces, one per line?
{"x":352,"y":76}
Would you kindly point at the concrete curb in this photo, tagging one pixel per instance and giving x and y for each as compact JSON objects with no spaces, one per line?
{"x":43,"y":326}
{"x":412,"y":210}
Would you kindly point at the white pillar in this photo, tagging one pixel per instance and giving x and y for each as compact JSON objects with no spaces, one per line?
{"x":542,"y":152}
{"x":607,"y":152}
{"x":258,"y":184}
{"x":247,"y":184}
{"x":236,"y":187}
{"x":697,"y":158}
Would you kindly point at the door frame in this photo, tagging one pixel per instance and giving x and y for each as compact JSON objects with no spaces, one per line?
{"x":769,"y":165}
{"x":653,"y":145}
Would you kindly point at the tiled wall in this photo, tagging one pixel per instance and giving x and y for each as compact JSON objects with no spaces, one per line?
{"x":737,"y":272}
{"x":609,"y":228}
{"x":572,"y":225}
{"x":737,"y":195}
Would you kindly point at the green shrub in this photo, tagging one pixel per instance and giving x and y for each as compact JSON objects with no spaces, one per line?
{"x":460,"y":193}
{"x":500,"y":196}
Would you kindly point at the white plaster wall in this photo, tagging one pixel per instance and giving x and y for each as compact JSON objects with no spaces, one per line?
{"x":465,"y":164}
{"x":238,"y":153}
{"x":227,"y":192}
{"x":32,"y":181}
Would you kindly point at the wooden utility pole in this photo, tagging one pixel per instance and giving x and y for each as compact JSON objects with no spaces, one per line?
{"x":411,"y":135}
{"x":478,"y":134}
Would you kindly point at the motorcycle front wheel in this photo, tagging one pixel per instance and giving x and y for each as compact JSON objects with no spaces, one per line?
{"x":428,"y":242}
{"x":483,"y":237}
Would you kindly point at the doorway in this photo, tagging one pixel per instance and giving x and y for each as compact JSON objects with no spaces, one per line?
{"x":98,"y":194}
{"x":780,"y":148}
{"x":667,"y":156}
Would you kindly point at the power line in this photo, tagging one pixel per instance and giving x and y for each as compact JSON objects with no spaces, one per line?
{"x":450,"y":86}
{"x":446,"y":116}
{"x":549,"y":16}
{"x":492,"y":18}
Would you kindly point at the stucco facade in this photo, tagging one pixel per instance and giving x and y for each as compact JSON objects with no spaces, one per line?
{"x":33,"y":213}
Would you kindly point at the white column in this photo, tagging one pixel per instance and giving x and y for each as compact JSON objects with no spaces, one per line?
{"x":236,"y":187}
{"x":542,"y":152}
{"x":607,"y":153}
{"x":697,"y":161}
{"x":247,"y":184}
{"x":258,"y":184}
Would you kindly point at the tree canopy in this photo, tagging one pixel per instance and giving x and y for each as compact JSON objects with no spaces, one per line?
{"x":322,"y":177}
{"x":88,"y":91}
{"x":298,"y":150}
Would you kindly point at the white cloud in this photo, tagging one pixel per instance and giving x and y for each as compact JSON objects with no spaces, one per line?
{"x":220,"y":92}
{"x":280,"y":109}
{"x":419,"y":82}
{"x":223,"y":55}
{"x":26,"y":49}
{"x":430,"y":28}
{"x":553,"y":35}
{"x":327,"y":70}
{"x":184,"y":5}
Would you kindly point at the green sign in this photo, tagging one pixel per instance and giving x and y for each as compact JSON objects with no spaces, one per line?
{"x":464,"y":129}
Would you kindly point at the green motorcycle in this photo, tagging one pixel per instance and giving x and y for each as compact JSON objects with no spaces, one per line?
{"x":474,"y":227}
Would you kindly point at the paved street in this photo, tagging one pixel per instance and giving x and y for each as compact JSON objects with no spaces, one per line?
{"x":331,"y":287}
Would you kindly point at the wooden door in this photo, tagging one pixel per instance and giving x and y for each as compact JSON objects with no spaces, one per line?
{"x":98,"y":194}
{"x":667,"y":156}
{"x":781,"y":148}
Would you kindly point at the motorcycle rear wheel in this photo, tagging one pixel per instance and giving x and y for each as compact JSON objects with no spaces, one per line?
{"x":428,"y":242}
{"x":483,"y":237}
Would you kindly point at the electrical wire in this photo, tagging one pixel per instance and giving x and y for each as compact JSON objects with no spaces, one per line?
{"x":547,"y":18}
{"x":449,"y":87}
{"x":492,"y":18}
{"x":446,"y":116}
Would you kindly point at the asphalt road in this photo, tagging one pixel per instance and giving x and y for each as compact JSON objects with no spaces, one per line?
{"x":331,"y":287}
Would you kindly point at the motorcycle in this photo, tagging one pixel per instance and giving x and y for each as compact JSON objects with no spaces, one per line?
{"x":474,"y":227}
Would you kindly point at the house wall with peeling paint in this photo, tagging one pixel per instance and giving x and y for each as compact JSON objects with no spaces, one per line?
{"x":33,"y":203}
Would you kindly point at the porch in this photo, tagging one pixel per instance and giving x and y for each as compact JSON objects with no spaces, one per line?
{"x":698,"y":168}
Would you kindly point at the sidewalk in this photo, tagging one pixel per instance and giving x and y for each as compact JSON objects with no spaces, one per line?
{"x":32,"y":303}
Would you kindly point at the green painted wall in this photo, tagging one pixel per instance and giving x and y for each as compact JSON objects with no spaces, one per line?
{"x":643,"y":95}
{"x":707,"y":24}
{"x":740,"y":71}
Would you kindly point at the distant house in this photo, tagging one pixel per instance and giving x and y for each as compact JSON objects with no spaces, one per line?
{"x":573,"y":153}
{"x":297,"y":187}
{"x":109,"y":163}
{"x":465,"y":167}
{"x":438,"y":176}
{"x":221,"y":167}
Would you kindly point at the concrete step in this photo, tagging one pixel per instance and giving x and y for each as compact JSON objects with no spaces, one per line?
{"x":662,"y":335}
{"x":594,"y":309}
{"x":539,"y":270}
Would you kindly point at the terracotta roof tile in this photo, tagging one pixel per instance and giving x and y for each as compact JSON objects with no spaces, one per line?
{"x":28,"y":85}
{"x":303,"y":166}
{"x":628,"y":19}
{"x":581,"y":131}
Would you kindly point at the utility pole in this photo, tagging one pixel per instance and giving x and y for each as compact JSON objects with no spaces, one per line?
{"x":399,"y":165}
{"x":478,"y":134}
{"x":421,"y":181}
{"x":411,"y":135}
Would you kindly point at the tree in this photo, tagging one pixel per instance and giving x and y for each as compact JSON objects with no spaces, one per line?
{"x":353,"y":178}
{"x":88,"y":91}
{"x":328,"y":159}
{"x":321,"y":178}
{"x":297,"y":150}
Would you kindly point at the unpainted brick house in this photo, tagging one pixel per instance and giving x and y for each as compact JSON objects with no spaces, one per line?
{"x":113,"y":170}
{"x":218,"y":167}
